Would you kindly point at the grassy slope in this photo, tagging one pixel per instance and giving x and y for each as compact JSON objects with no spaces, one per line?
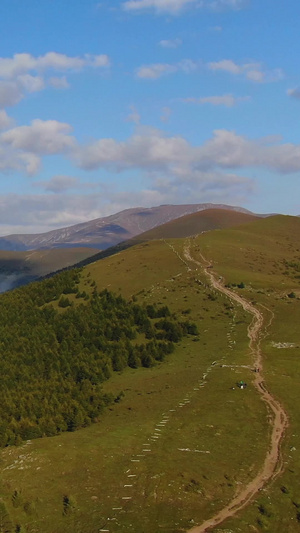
{"x":257,"y":255}
{"x":186,"y":226}
{"x":91,"y":465}
{"x":171,"y":486}
{"x":207,"y":220}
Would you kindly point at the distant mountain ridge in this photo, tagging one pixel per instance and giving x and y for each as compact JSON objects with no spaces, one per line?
{"x":102,"y":233}
{"x":195,"y":223}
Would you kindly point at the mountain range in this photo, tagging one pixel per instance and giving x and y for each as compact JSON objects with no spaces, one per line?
{"x":101,"y":233}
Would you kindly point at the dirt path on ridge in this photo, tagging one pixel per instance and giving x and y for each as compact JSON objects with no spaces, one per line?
{"x":272,"y":464}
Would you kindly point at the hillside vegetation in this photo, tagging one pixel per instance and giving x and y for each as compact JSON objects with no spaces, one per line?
{"x":183,"y":439}
{"x":54,"y":359}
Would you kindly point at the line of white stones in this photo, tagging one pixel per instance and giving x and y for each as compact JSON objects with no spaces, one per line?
{"x":131,"y":474}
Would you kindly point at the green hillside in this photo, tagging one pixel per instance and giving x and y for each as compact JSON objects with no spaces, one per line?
{"x":188,"y":225}
{"x":185,"y":226}
{"x":181,"y":439}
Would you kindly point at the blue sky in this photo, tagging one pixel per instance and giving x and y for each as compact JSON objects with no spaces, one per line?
{"x":116,"y":104}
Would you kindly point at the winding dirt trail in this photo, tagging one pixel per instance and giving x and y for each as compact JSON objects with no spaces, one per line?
{"x":273,"y":463}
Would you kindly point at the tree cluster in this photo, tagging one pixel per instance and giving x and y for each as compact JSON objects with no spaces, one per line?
{"x":54,"y":359}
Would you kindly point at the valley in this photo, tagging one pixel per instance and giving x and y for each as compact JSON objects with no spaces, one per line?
{"x":20,"y":268}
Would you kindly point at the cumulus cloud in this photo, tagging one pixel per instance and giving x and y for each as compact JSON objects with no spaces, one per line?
{"x":41,"y":137}
{"x":174,"y":169}
{"x":148,"y":149}
{"x":24,"y":73}
{"x":157,"y":70}
{"x":10,"y":93}
{"x":229,"y":150}
{"x":30,"y":83}
{"x":13,"y":160}
{"x":151,"y":150}
{"x":227,"y":65}
{"x":227,"y":100}
{"x":252,"y":71}
{"x":22,"y":147}
{"x":170,"y":43}
{"x":5,"y":121}
{"x":24,"y":63}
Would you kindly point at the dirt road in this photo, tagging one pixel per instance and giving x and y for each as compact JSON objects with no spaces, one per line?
{"x":272,"y":464}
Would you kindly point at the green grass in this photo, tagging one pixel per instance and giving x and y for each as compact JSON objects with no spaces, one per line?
{"x":171,"y":486}
{"x":174,"y":488}
{"x":257,"y":255}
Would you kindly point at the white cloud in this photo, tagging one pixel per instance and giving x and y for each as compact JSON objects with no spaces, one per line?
{"x":38,"y":213}
{"x":176,"y":170}
{"x":5,"y":121}
{"x":41,"y":137}
{"x":18,"y":64}
{"x":147,"y":149}
{"x":170,"y":43}
{"x":11,"y":68}
{"x":174,"y":7}
{"x":255,"y":75}
{"x":150,"y":150}
{"x":227,"y":100}
{"x":227,"y":65}
{"x":157,"y":70}
{"x":229,"y":150}
{"x":13,"y":160}
{"x":24,"y":73}
{"x":22,"y":147}
{"x":252,"y":71}
{"x":160,"y":6}
{"x":30,"y":83}
{"x":10,"y":93}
